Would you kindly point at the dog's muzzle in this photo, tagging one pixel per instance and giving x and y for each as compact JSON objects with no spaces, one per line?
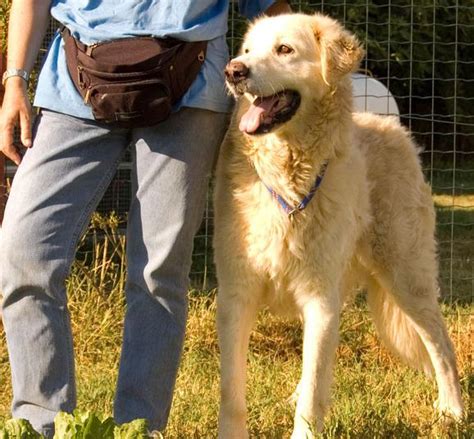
{"x":235,"y":72}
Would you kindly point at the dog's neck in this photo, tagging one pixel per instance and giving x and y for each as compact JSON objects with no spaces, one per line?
{"x":289,"y":162}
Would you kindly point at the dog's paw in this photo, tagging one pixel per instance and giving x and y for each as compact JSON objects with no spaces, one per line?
{"x":451,"y":411}
{"x":302,"y":433}
{"x":304,"y":429}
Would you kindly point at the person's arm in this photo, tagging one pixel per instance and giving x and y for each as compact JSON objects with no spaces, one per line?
{"x":27,"y":26}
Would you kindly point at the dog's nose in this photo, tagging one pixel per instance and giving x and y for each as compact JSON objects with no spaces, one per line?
{"x":236,"y":71}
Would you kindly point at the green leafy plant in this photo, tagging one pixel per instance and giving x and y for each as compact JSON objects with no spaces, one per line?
{"x":18,"y":429}
{"x":80,"y":425}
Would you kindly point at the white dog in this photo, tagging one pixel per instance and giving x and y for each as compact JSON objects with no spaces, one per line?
{"x":311,"y":201}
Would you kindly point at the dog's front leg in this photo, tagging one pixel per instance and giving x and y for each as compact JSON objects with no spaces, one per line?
{"x":235,"y":318}
{"x":320,"y":337}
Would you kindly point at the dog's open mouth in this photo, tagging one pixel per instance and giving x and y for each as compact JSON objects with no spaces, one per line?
{"x":266,"y":112}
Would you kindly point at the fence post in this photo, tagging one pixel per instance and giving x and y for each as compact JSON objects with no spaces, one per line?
{"x":3,"y":181}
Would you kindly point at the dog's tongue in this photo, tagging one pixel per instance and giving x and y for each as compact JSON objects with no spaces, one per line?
{"x":256,"y":113}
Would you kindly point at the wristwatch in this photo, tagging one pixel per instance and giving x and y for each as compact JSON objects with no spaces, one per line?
{"x":15,"y":72}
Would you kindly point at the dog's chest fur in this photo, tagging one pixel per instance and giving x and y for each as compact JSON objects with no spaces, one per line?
{"x":274,"y":241}
{"x":290,"y":252}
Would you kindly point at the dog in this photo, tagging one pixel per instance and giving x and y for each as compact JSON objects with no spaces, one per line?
{"x":311,"y":201}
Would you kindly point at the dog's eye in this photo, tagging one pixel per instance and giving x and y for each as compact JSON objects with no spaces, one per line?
{"x":246,"y":50}
{"x":284,"y":50}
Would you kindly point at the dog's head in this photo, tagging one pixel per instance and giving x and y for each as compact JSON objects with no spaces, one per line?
{"x":287,"y":61}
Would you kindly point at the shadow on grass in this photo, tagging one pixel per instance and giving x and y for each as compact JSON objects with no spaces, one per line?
{"x":377,"y":426}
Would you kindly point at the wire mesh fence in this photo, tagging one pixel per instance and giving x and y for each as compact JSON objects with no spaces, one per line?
{"x":424,"y":53}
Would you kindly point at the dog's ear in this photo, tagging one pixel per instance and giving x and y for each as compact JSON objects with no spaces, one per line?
{"x":340,"y":51}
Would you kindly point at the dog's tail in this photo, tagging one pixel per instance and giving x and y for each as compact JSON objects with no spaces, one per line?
{"x":396,"y":330}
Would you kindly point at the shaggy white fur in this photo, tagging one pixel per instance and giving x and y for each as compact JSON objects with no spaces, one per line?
{"x":371,"y":223}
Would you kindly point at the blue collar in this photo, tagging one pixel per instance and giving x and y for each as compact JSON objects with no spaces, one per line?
{"x":291,"y":210}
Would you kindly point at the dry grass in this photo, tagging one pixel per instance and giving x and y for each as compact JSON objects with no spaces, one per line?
{"x":454,"y":201}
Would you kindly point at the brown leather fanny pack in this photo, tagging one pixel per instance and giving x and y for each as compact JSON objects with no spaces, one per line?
{"x":133,"y":82}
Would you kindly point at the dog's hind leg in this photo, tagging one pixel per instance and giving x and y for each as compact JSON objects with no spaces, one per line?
{"x":403,"y":260}
{"x":407,"y":315}
{"x":320,"y":337}
{"x":237,"y":308}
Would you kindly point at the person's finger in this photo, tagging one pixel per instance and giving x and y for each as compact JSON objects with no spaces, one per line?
{"x":7,"y":133}
{"x":25,"y":128}
{"x":6,"y":143}
{"x":12,"y":153}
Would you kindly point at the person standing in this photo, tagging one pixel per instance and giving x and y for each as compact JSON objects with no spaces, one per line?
{"x":70,"y":160}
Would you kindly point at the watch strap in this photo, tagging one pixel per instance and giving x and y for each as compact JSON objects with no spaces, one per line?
{"x":15,"y":72}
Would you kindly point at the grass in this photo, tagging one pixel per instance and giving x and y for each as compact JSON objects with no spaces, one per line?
{"x":374,"y":395}
{"x":454,"y":201}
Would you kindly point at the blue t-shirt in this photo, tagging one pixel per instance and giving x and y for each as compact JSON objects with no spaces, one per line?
{"x":92,"y":21}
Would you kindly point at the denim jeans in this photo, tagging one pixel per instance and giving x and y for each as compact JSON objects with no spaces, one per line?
{"x":57,"y":187}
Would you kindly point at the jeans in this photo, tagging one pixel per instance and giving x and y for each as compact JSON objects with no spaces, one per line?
{"x":57,"y":186}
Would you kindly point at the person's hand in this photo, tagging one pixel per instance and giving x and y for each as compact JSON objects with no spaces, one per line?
{"x":16,"y":109}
